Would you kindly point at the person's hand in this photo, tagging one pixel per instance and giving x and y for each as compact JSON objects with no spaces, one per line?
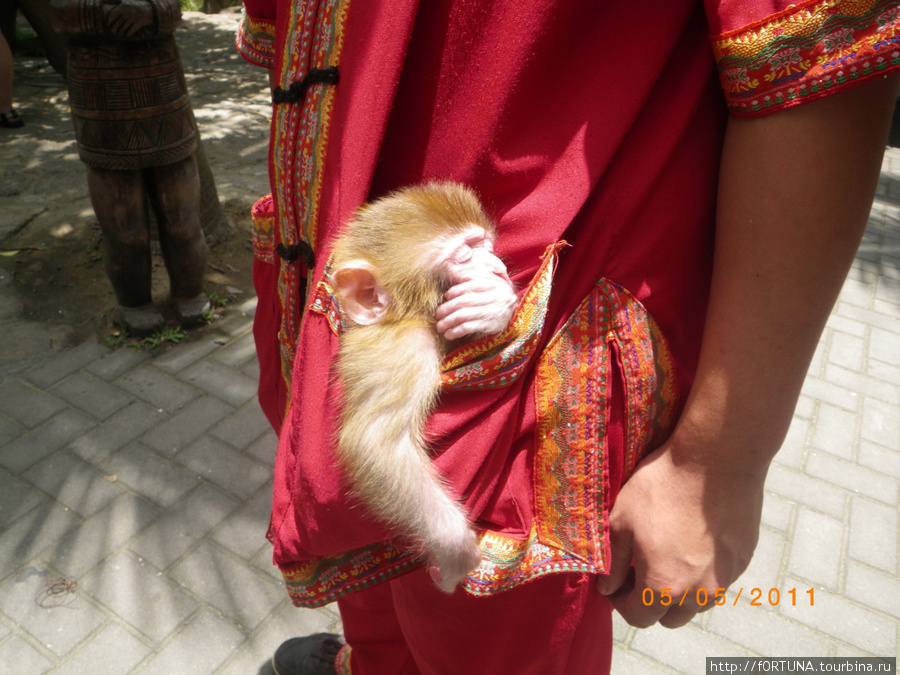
{"x":689,"y":533}
{"x":128,"y":16}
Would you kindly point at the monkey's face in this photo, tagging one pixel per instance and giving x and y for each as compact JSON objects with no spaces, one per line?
{"x":468,"y":255}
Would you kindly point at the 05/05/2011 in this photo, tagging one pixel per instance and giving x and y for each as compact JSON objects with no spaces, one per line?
{"x":758,"y":597}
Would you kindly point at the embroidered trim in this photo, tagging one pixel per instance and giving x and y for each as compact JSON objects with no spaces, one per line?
{"x":807,"y":52}
{"x":255,"y":40}
{"x":342,"y":661}
{"x":314,"y":38}
{"x":317,"y":582}
{"x":570,"y":530}
{"x":262,"y":217}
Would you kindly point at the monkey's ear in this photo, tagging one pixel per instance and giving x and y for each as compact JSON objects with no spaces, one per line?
{"x":362,"y":298}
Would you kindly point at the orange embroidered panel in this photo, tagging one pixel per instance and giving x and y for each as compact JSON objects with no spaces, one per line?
{"x":806,"y":52}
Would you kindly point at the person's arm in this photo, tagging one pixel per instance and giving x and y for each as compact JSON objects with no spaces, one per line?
{"x":795,"y":192}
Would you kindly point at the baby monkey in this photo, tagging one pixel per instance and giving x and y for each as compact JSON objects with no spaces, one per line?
{"x":414,"y":271}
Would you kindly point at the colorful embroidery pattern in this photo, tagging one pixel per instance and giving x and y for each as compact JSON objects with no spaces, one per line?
{"x":570,"y":529}
{"x":262,"y":216}
{"x":313,"y":39}
{"x":806,"y":52}
{"x":255,"y":40}
{"x":571,"y":471}
{"x":317,"y":582}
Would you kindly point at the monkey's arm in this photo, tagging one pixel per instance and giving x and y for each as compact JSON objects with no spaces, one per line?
{"x":390,"y":376}
{"x":794,"y":196}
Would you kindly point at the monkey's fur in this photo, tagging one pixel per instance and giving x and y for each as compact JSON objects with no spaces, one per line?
{"x":388,"y":278}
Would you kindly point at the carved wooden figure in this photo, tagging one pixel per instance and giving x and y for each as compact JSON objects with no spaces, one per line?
{"x":135,"y":133}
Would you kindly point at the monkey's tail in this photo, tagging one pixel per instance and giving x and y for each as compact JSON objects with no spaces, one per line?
{"x":391,"y":380}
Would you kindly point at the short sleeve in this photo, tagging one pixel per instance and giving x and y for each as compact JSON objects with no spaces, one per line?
{"x":773,"y":55}
{"x":255,"y":38}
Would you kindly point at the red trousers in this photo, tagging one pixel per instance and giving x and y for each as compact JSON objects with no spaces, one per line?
{"x":556,"y":625}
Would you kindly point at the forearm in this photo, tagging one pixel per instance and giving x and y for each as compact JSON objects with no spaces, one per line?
{"x":795,"y":193}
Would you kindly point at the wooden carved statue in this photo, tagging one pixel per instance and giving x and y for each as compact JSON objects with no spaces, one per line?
{"x":135,"y":133}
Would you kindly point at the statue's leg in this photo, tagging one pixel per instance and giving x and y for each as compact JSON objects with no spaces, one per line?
{"x":120,"y":203}
{"x":174,"y":192}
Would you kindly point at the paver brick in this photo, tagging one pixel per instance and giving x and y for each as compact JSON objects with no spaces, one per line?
{"x":884,"y":345}
{"x":879,"y":458}
{"x":9,"y":430}
{"x":27,"y":405}
{"x":154,"y":477}
{"x":881,"y":423}
{"x":873,"y":535}
{"x":764,"y":631}
{"x":853,"y":477}
{"x":186,"y":425}
{"x":139,"y":596}
{"x":237,"y":353}
{"x":117,"y":432}
{"x":58,"y":622}
{"x":28,"y":536}
{"x":858,"y":626}
{"x":30,"y":448}
{"x":816,"y":548}
{"x":117,"y":363}
{"x":847,"y":351}
{"x":243,"y":427}
{"x":835,"y":431}
{"x":243,"y":533}
{"x":182,"y":526}
{"x":805,"y":490}
{"x":176,"y":360}
{"x":16,"y":499}
{"x":830,"y":393}
{"x":264,"y":448}
{"x":157,"y":388}
{"x":873,"y":589}
{"x":114,"y":651}
{"x":203,"y":645}
{"x":17,"y":657}
{"x":221,"y":381}
{"x":883,"y":389}
{"x":227,"y":468}
{"x":776,"y":512}
{"x":232,"y":587}
{"x":100,"y":535}
{"x":91,"y":395}
{"x":684,"y":649}
{"x":64,"y":363}
{"x":765,"y":567}
{"x":73,"y":483}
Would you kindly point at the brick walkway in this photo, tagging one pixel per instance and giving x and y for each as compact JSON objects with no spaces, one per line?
{"x":134,"y":495}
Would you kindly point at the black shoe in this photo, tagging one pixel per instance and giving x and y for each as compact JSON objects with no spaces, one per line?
{"x":11,"y":120}
{"x":310,"y":655}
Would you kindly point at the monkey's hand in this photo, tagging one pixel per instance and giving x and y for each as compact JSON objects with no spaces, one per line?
{"x":453,"y":549}
{"x":482,"y":300}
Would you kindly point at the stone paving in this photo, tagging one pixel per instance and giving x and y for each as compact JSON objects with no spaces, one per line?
{"x":135,"y":488}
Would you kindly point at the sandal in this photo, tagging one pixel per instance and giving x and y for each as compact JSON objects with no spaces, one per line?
{"x":11,"y":120}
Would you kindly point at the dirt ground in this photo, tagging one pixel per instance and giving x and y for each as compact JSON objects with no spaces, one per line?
{"x":53,"y":289}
